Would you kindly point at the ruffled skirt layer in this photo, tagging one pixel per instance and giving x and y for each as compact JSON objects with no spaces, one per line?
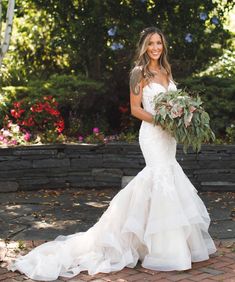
{"x":157,"y":218}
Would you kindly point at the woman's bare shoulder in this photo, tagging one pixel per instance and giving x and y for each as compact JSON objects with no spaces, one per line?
{"x":136,"y":79}
{"x":137,"y":71}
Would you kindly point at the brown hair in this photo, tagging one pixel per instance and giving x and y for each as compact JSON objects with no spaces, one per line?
{"x":142,"y":59}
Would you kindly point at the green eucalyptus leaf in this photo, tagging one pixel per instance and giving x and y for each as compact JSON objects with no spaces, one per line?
{"x":174,"y":113}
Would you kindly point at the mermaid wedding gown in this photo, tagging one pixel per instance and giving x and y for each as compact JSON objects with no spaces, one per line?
{"x":158,"y":218}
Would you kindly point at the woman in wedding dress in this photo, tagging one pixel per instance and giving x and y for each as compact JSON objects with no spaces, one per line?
{"x":158,"y":218}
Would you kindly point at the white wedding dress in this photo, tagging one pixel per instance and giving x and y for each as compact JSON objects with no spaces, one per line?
{"x":158,"y":218}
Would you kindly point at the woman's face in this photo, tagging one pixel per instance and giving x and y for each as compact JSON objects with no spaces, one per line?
{"x":155,"y":47}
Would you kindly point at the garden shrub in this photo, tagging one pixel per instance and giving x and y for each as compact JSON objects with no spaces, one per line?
{"x":81,"y":101}
{"x":218,"y":95}
{"x":86,"y":104}
{"x":222,"y":67}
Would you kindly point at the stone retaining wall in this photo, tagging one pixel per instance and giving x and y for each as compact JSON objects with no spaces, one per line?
{"x":65,"y":165}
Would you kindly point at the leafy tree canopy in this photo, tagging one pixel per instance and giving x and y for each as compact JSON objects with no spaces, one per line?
{"x":97,"y":38}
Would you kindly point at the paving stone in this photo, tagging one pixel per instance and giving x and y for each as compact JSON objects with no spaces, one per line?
{"x":226,"y":231}
{"x":3,"y":250}
{"x":179,"y":277}
{"x":3,"y":271}
{"x":8,"y":275}
{"x":201,"y":277}
{"x":20,"y":278}
{"x":211,"y":271}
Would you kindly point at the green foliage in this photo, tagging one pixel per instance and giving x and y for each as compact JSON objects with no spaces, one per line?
{"x":183,"y":117}
{"x":218,"y":95}
{"x":98,"y":38}
{"x":32,"y":50}
{"x":230,"y":133}
{"x":81,"y":100}
{"x":223,"y":67}
{"x":129,"y":137}
{"x":94,"y":138}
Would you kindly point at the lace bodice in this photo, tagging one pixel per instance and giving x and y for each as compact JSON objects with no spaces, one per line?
{"x":161,"y":146}
{"x":151,"y":90}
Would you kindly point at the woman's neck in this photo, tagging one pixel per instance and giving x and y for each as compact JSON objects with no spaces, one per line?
{"x":154,"y":66}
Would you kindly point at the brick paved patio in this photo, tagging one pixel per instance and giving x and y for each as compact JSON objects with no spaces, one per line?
{"x":220,"y":267}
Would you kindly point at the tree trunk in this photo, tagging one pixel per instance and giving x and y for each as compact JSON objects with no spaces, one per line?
{"x":8,"y":29}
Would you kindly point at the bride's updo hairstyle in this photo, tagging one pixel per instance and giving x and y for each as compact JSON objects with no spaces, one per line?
{"x":142,"y":59}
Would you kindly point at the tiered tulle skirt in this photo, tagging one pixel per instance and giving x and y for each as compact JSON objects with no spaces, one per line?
{"x":157,"y":218}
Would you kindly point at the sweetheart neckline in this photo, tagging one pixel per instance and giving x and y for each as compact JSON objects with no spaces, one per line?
{"x":153,"y":82}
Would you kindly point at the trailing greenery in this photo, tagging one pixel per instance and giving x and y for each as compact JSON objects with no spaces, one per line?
{"x":183,"y":116}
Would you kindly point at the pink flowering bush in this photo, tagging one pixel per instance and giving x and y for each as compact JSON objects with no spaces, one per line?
{"x":12,"y":135}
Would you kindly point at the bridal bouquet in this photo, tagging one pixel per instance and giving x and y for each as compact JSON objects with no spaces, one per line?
{"x":183,"y":117}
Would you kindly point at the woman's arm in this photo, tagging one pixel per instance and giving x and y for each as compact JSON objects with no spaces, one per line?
{"x":136,"y":109}
{"x":136,"y":90}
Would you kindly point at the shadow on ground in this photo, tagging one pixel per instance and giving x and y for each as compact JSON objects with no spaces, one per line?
{"x":45,"y":214}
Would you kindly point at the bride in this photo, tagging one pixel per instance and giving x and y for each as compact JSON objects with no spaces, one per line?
{"x":158,"y":218}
